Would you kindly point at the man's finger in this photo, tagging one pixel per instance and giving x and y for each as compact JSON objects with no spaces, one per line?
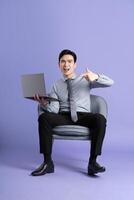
{"x":84,"y":74}
{"x":38,"y":98}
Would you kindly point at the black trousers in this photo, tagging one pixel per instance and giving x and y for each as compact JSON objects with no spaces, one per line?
{"x":95,"y":122}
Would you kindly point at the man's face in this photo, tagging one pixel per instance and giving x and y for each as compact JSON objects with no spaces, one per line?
{"x":67,"y":65}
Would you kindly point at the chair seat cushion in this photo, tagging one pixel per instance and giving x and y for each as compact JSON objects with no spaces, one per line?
{"x":71,"y":130}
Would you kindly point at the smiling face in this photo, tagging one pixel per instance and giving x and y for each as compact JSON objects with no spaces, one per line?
{"x":67,"y":66}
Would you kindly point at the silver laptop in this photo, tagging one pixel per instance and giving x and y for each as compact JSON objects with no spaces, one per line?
{"x":34,"y":84}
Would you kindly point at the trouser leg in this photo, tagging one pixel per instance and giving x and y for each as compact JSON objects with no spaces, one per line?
{"x":97,"y":125}
{"x":47,"y":121}
{"x":97,"y":135}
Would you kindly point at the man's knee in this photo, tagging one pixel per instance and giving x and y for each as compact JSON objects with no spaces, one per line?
{"x":100,"y":117}
{"x":42,"y":117}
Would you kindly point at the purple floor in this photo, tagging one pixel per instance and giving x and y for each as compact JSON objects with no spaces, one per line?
{"x":70,"y":180}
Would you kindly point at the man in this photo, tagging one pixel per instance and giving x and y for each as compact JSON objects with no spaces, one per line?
{"x":73,"y":107}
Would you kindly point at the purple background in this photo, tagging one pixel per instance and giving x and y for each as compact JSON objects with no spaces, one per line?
{"x":32,"y":33}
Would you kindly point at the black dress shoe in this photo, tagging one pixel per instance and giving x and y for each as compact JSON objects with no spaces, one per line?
{"x":95,"y":168}
{"x":44,"y":168}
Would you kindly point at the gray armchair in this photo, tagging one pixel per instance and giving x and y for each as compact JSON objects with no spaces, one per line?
{"x":76,"y":132}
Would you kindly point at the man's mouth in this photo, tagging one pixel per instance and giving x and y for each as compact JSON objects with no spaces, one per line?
{"x":66,"y":69}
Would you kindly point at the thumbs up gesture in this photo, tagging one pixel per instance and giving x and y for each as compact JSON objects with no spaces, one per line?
{"x":90,"y":76}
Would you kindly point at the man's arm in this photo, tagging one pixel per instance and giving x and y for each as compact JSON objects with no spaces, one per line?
{"x":97,"y":80}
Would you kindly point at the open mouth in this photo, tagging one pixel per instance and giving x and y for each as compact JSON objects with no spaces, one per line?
{"x":66,"y":69}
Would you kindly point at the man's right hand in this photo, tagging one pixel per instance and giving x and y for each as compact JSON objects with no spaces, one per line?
{"x":41,"y":100}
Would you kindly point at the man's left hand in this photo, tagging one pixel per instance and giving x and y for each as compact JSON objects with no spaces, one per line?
{"x":90,"y":76}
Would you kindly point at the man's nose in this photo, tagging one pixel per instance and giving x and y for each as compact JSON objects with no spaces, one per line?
{"x":66,"y":64}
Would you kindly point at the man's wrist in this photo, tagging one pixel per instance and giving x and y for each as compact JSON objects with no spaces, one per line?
{"x":97,"y":77}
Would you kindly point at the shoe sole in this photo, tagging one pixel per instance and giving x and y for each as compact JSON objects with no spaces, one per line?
{"x":46,"y":172}
{"x":92,"y":172}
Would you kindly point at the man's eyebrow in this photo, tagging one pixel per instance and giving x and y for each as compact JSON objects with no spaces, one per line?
{"x":62,"y":60}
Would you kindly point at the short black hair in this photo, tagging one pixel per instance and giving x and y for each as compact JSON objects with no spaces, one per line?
{"x":67,"y":52}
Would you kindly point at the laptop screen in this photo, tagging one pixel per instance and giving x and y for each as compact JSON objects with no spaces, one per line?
{"x":33,"y":84}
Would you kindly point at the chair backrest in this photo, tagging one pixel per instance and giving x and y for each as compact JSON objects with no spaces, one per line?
{"x":99,"y":105}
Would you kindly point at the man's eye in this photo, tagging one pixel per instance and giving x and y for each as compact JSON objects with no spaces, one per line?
{"x":62,"y":61}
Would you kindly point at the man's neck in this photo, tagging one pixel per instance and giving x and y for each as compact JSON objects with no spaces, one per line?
{"x":70,"y":76}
